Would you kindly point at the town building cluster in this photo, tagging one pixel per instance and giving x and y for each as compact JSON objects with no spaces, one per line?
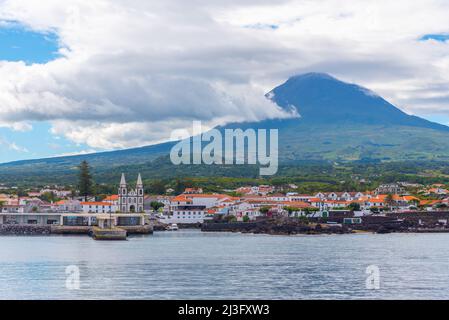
{"x":246,"y":203}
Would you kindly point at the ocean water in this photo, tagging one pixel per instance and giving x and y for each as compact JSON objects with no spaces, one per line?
{"x":188,"y":264}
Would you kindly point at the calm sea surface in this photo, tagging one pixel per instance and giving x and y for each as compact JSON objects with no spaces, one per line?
{"x":195,"y":265}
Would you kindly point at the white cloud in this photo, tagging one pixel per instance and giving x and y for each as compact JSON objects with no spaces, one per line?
{"x":17,"y":126}
{"x":75,"y":153}
{"x":12,"y":146}
{"x":132,"y":71}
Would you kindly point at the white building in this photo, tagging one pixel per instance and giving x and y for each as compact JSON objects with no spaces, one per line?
{"x":193,"y":208}
{"x":192,"y":214}
{"x":56,"y":192}
{"x":278,"y":197}
{"x":299,"y":197}
{"x":131,"y":200}
{"x":98,"y":207}
{"x":67,"y":206}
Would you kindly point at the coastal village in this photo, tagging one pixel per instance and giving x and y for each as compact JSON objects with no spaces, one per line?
{"x":130,"y":207}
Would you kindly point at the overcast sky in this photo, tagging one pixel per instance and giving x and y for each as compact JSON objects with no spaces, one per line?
{"x":81,"y":76}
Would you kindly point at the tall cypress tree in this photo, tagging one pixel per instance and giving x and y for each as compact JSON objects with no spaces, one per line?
{"x":85,"y":183}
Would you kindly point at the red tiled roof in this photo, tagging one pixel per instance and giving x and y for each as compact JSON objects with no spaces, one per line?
{"x":111,"y":198}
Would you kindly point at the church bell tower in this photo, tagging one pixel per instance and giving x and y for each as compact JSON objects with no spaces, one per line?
{"x":131,"y":200}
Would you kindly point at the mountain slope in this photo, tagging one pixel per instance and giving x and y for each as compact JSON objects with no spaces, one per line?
{"x":341,"y":121}
{"x":338,"y":121}
{"x":320,"y":98}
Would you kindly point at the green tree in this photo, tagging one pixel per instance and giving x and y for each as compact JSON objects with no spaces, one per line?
{"x":49,"y":197}
{"x":290,"y":210}
{"x":181,"y":185}
{"x":21,"y":193}
{"x":234,"y":194}
{"x":389,"y":201}
{"x":441,"y":206}
{"x":310,"y":210}
{"x":354,"y":206}
{"x":264,"y":210}
{"x":156,"y":205}
{"x":157,"y":187}
{"x":245,"y":218}
{"x":85,"y":182}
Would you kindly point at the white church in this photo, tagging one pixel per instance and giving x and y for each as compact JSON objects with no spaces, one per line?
{"x":130,"y":200}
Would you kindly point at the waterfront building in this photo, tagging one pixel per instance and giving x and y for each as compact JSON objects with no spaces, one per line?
{"x":41,"y":219}
{"x":70,"y":219}
{"x":98,"y":207}
{"x":131,"y":200}
{"x":11,"y":209}
{"x":189,"y":214}
{"x":194,"y":208}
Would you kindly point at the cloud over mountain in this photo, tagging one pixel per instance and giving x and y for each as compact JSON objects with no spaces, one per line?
{"x":129,"y":72}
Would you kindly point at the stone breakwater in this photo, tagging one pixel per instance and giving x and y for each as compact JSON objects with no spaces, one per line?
{"x":22,"y":230}
{"x":275,"y":227}
{"x":27,"y":230}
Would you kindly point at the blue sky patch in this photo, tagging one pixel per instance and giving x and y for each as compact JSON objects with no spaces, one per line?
{"x":262,"y":26}
{"x":17,"y":43}
{"x":36,"y":143}
{"x":436,"y":37}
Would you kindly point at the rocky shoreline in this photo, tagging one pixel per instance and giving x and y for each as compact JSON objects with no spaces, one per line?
{"x":291,"y":226}
{"x":276,"y":227}
{"x":24,"y":230}
{"x":272,"y":226}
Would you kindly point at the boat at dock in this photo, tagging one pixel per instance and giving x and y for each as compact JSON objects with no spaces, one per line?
{"x":172,"y":227}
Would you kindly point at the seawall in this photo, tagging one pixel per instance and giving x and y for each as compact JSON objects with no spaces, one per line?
{"x":27,"y":230}
{"x":274,"y":227}
{"x":14,"y":229}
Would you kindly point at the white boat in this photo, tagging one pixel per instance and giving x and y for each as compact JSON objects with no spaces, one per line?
{"x":173,"y":227}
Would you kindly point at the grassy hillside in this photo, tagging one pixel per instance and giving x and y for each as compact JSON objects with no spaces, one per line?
{"x":357,"y":142}
{"x":298,"y":145}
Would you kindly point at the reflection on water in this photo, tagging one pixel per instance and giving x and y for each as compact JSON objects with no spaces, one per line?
{"x":194,"y":265}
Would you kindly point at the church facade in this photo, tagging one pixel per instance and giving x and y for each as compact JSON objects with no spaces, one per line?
{"x":130,"y":200}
